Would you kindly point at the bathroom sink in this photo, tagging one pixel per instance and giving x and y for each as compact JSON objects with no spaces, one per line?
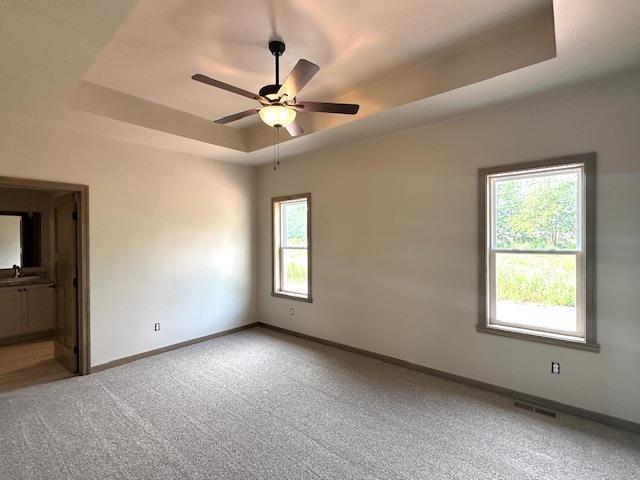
{"x":19,"y":280}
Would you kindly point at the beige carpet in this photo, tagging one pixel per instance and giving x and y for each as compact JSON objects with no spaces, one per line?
{"x":261,"y":405}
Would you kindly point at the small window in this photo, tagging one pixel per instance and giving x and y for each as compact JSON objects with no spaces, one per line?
{"x":537,"y":252}
{"x":292,"y":247}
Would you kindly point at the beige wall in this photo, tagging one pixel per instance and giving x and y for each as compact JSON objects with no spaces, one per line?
{"x":170,"y":234}
{"x":395,"y":257}
{"x":172,"y":240}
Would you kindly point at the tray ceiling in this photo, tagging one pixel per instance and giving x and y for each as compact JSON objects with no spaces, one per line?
{"x":122,"y":69}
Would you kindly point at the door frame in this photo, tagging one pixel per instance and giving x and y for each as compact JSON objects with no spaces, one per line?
{"x":82,"y":232}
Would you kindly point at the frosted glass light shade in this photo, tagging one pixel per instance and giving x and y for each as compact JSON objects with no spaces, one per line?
{"x":277,"y":115}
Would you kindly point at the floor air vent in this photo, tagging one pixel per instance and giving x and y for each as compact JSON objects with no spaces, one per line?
{"x":533,"y":408}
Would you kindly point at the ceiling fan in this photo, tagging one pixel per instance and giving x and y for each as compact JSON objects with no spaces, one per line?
{"x":278,"y":101}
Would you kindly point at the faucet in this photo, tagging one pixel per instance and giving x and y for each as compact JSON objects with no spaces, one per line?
{"x":16,"y":271}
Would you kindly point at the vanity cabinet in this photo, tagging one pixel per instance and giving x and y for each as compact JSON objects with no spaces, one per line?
{"x":26,"y":310}
{"x":40,"y":309}
{"x":11,"y":308}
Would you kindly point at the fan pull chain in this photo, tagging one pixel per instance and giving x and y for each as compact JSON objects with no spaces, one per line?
{"x":276,"y":148}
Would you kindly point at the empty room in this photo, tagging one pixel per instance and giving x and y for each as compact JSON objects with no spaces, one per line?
{"x":304,"y":239}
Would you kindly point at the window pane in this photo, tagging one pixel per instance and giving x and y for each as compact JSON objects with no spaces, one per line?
{"x":295,"y":224}
{"x":294,"y":273}
{"x":537,"y":291}
{"x":537,"y":212}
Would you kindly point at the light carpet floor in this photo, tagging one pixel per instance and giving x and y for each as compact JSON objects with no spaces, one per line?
{"x":262,"y":405}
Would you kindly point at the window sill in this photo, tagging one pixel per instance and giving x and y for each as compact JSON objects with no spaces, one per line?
{"x":540,"y":338}
{"x":290,"y":296}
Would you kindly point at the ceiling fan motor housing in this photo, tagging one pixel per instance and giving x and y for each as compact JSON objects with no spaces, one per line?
{"x":269,"y":91}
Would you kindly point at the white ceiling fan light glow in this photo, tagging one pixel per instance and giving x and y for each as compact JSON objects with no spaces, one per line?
{"x":277,"y":115}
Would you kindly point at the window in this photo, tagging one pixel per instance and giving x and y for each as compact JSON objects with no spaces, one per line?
{"x":292,"y":247}
{"x":537,"y":242}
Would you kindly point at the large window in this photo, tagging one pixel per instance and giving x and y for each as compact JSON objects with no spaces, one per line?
{"x":292,"y":247}
{"x":537,"y":263}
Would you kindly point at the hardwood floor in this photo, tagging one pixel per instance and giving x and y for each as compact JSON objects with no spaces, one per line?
{"x":29,"y":363}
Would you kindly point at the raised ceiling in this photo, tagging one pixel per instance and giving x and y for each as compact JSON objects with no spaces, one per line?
{"x":370,"y":53}
{"x":122,"y":68}
{"x":163,"y":42}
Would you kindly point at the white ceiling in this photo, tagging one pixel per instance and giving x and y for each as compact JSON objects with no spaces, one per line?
{"x":163,"y":42}
{"x":149,"y":49}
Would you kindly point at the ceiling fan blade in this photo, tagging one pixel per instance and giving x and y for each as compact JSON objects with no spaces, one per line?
{"x":198,"y":77}
{"x":298,"y":78}
{"x":294,"y":129}
{"x":344,"y":108}
{"x":237,"y":116}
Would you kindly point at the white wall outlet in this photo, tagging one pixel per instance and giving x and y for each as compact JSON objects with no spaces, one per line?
{"x":292,"y":312}
{"x":555,"y":368}
{"x":156,"y":327}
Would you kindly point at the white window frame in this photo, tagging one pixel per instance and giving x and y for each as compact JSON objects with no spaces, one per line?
{"x":584,"y":336}
{"x":278,"y":225}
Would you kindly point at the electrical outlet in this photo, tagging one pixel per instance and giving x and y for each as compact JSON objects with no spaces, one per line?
{"x":156,"y":327}
{"x":555,"y":368}
{"x":292,"y":312}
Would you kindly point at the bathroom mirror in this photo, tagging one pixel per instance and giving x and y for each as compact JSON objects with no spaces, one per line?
{"x":19,"y":240}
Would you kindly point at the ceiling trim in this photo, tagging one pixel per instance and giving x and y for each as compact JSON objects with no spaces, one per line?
{"x":104,"y":101}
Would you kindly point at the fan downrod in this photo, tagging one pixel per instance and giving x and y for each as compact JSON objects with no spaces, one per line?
{"x":277,"y":48}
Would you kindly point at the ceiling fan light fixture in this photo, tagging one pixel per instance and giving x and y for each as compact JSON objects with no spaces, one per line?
{"x":278,"y":101}
{"x":277,"y":115}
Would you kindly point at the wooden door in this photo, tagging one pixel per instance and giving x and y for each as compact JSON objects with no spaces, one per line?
{"x":66,"y":324}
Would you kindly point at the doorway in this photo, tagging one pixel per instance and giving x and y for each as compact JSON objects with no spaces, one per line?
{"x":44,"y":282}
